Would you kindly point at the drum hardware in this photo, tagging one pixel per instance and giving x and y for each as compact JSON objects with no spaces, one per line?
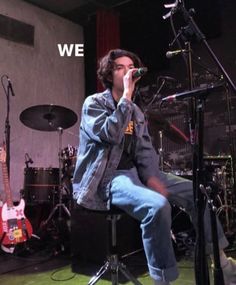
{"x":164,"y":165}
{"x":162,"y":129}
{"x":182,"y":231}
{"x":221,"y":170}
{"x":48,"y":117}
{"x":185,"y":173}
{"x":51,"y":118}
{"x":28,"y":160}
{"x":69,"y":155}
{"x":40,"y":185}
{"x":157,"y":121}
{"x":60,"y":206}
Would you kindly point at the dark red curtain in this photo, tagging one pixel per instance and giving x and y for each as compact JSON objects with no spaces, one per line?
{"x":108,"y":34}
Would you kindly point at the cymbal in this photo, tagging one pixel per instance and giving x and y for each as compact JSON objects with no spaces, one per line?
{"x":48,"y":117}
{"x":159,"y":123}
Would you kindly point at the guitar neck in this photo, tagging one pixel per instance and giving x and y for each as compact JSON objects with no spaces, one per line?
{"x":6,"y":183}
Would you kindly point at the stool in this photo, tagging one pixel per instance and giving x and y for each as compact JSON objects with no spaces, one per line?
{"x":113,"y":264}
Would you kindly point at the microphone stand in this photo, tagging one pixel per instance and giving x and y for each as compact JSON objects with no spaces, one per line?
{"x":201,"y":266}
{"x":7,"y":91}
{"x":193,"y":26}
{"x":201,"y":272}
{"x":196,"y":125}
{"x":7,"y":134}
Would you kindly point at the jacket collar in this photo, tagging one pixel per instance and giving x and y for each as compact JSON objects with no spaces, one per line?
{"x":108,"y":99}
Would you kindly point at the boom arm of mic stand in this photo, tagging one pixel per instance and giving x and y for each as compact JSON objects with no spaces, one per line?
{"x":226,"y":75}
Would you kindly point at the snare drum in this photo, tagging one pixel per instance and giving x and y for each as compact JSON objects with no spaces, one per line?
{"x":40,"y":184}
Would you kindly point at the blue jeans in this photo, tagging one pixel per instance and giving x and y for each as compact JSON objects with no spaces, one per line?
{"x":154,"y":212}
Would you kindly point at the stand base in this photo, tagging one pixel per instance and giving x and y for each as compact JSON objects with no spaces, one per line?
{"x":114,"y":266}
{"x":57,"y":207}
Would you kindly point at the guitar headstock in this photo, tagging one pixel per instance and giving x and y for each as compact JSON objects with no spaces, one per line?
{"x":2,"y":154}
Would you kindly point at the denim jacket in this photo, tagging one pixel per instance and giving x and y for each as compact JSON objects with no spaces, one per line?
{"x":100,"y":148}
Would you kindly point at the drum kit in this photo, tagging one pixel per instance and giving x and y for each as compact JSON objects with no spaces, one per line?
{"x":167,"y":137}
{"x":50,"y":186}
{"x":178,"y":161}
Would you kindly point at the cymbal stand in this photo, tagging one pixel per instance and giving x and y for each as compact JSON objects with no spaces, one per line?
{"x":60,"y":204}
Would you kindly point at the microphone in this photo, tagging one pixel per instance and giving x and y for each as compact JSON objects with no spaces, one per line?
{"x":10,"y":86}
{"x":202,"y":91}
{"x":139,"y":72}
{"x":172,"y":53}
{"x":28,"y":160}
{"x":167,"y":78}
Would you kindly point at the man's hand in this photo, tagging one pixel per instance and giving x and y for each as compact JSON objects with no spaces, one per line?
{"x":129,"y":84}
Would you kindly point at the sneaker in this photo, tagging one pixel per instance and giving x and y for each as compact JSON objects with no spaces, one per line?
{"x":229,"y":271}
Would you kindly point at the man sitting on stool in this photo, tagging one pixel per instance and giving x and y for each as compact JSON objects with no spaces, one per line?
{"x":117,"y":165}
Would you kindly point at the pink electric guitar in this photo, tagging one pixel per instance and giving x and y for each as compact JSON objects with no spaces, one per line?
{"x":14,"y":226}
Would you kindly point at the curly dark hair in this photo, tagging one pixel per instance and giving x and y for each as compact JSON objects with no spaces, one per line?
{"x":106,"y":65}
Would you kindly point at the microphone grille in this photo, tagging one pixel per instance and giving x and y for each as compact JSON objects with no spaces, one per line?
{"x":169,"y":54}
{"x":143,"y":70}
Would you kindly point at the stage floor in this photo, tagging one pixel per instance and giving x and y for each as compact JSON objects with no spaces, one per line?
{"x":43,"y":265}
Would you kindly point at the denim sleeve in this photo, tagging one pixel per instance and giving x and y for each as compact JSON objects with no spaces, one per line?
{"x":101,"y":124}
{"x":146,"y":159}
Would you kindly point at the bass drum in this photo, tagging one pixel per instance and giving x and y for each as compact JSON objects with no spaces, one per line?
{"x":40,"y":185}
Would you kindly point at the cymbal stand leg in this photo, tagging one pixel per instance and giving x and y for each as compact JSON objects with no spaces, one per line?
{"x":57,"y":207}
{"x":60,"y":132}
{"x":60,"y":205}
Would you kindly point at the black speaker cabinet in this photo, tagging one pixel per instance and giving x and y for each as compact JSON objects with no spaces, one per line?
{"x":89,"y":235}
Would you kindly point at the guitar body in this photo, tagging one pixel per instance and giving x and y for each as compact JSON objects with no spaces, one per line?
{"x":14,"y":226}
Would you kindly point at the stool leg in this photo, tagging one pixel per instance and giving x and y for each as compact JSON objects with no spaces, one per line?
{"x":114,"y":269}
{"x":113,"y":264}
{"x":100,"y":273}
{"x":123,"y":269}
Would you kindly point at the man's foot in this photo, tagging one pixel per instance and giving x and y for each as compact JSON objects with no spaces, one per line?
{"x":229,"y":271}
